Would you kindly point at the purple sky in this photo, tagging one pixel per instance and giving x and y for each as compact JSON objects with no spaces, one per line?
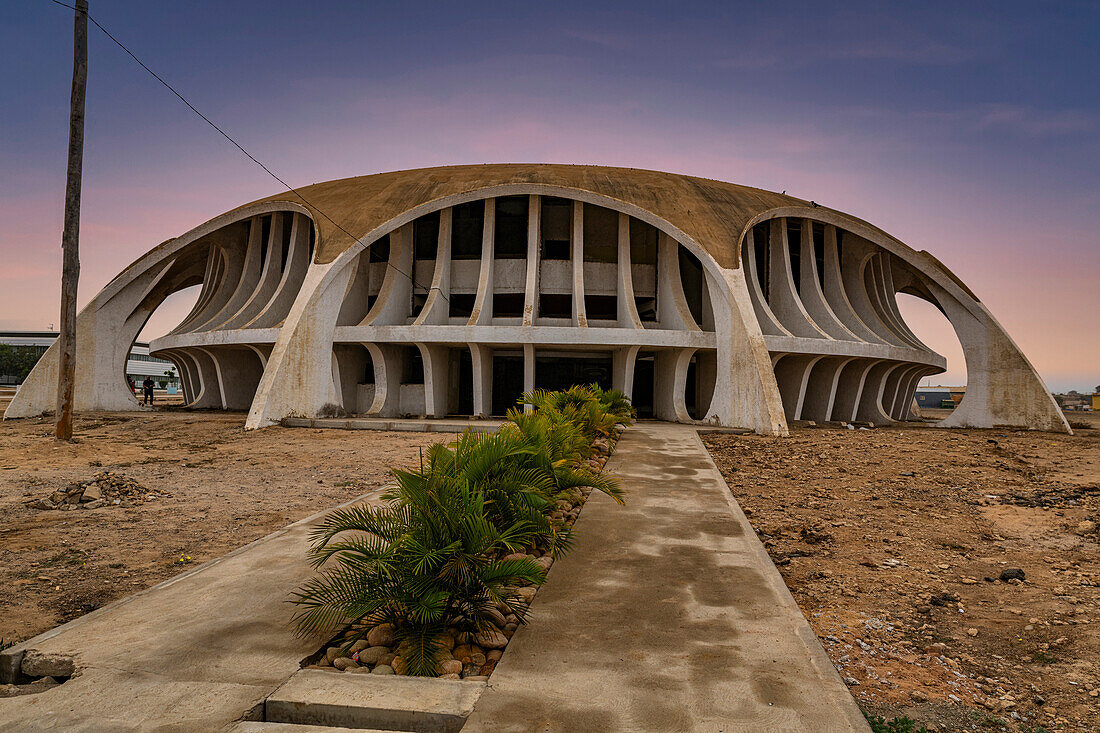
{"x":967,"y":129}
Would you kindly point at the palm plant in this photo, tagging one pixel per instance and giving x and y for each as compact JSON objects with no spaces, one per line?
{"x":557,"y":444}
{"x":425,"y":562}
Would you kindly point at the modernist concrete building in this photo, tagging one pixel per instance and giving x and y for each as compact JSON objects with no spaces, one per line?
{"x":452,"y":290}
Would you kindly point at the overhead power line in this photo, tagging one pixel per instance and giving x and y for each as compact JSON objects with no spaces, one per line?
{"x":240,"y":147}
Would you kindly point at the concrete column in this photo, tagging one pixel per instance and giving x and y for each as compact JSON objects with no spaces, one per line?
{"x":626,"y":306}
{"x":262,"y":351}
{"x":784,"y":298}
{"x":436,"y":308}
{"x":792,"y":374}
{"x":249,"y":277}
{"x":482,"y":314}
{"x":209,"y":395}
{"x":388,"y":361}
{"x":297,"y":262}
{"x":813,"y":297}
{"x":481,"y":359}
{"x":673,"y":312}
{"x":576,"y":256}
{"x":821,"y":389}
{"x":850,"y":389}
{"x":528,"y":372}
{"x":670,"y":374}
{"x":239,"y":371}
{"x":907,"y":394}
{"x":745,"y":393}
{"x":354,"y":308}
{"x":874,"y":387}
{"x":437,"y":366}
{"x":769,"y":324}
{"x":837,"y":295}
{"x":394,"y":302}
{"x":531,"y":289}
{"x":270,"y":275}
{"x":622,"y":369}
{"x":706,"y":378}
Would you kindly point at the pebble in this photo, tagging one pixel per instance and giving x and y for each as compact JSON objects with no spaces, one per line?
{"x":451,"y":667}
{"x":372,"y":654}
{"x":382,"y":669}
{"x":1012,"y":574}
{"x":494,"y":655}
{"x":491,"y":639}
{"x":1086,"y":527}
{"x":343,"y":663}
{"x":359,"y":670}
{"x":381,"y":635}
{"x":496,"y":617}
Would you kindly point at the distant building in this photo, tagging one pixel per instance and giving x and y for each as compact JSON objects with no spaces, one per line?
{"x":139,"y":364}
{"x":939,"y":396}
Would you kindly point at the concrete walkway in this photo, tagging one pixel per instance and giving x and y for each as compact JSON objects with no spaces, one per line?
{"x":191,"y":654}
{"x":667,"y":616}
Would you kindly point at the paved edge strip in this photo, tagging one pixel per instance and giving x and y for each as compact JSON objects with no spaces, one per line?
{"x":818,"y":656}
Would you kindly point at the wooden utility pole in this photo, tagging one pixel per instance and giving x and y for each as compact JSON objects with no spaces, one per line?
{"x":70,"y":269}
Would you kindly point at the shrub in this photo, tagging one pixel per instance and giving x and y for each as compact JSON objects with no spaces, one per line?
{"x":432,"y":557}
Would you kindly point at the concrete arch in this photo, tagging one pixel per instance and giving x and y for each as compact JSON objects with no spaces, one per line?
{"x":1003,"y":386}
{"x":110,"y":323}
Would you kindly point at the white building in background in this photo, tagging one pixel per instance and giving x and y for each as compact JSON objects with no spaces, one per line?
{"x":139,"y":364}
{"x":452,"y":290}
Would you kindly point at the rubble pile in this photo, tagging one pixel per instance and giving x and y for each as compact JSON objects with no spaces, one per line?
{"x":104,"y":489}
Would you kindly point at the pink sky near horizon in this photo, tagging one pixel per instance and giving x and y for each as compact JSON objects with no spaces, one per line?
{"x":1026,"y":246}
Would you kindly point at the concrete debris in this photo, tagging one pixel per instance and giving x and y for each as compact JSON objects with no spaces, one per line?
{"x":104,"y":489}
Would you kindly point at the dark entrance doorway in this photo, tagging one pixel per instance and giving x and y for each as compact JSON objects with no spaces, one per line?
{"x":507,"y":382}
{"x":643,"y":386}
{"x":465,"y":383}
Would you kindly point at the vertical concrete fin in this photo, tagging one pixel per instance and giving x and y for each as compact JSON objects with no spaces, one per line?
{"x":436,"y":307}
{"x":783,"y":294}
{"x":626,"y":306}
{"x":531,"y":279}
{"x":576,"y":257}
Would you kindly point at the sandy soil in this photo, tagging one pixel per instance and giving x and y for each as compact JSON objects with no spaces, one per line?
{"x":893,"y":542}
{"x":224,"y":488}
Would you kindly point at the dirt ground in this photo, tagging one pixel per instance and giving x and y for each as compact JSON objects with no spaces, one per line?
{"x":893,"y":542}
{"x":216,"y":488}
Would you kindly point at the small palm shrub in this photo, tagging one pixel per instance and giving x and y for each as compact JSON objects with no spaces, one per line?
{"x":439,"y":555}
{"x":424,"y":562}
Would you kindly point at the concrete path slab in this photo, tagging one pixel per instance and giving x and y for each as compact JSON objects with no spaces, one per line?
{"x":667,"y":616}
{"x":417,"y":704}
{"x":191,"y":654}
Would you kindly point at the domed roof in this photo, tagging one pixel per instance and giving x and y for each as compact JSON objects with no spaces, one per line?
{"x":713,"y":213}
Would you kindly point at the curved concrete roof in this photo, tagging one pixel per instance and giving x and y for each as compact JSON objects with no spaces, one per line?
{"x":712,"y":213}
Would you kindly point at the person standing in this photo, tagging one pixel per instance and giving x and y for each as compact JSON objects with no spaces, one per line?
{"x":147,"y":389}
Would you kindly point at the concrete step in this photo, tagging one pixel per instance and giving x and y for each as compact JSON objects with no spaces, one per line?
{"x":263,"y":727}
{"x":415,"y":704}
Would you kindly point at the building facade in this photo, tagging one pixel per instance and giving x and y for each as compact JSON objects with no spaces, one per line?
{"x":450,"y":291}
